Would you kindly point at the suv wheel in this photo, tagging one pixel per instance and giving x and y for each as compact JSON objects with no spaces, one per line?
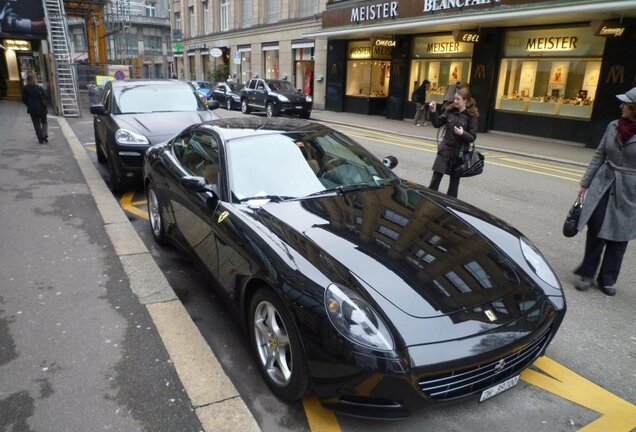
{"x":101,"y":158}
{"x":228,"y":104}
{"x":244,"y":108}
{"x":269,"y":110}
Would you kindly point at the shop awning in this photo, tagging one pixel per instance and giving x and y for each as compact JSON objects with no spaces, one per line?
{"x":530,"y":14}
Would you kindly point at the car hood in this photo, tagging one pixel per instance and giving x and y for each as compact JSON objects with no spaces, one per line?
{"x":408,"y":246}
{"x":161,"y":126}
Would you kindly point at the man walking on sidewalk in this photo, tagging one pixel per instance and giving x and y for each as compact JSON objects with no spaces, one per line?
{"x":419,"y":97}
{"x":33,"y":97}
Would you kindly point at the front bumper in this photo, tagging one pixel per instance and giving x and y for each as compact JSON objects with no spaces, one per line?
{"x":432,"y":374}
{"x":294,"y":107}
{"x":128,"y":161}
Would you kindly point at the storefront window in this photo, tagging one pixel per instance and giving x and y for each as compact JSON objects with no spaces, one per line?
{"x":304,"y":70}
{"x":550,"y":72}
{"x":270,"y":63}
{"x":442,"y":61}
{"x":369,"y":68}
{"x":245,"y":68}
{"x":193,"y":70}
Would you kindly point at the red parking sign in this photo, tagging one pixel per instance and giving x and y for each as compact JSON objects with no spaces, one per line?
{"x":120,"y":75}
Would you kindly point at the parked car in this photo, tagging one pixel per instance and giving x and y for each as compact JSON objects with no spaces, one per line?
{"x":228,"y":95}
{"x":134,"y":115}
{"x":203,"y":87}
{"x":275,"y":97}
{"x":379,"y":294}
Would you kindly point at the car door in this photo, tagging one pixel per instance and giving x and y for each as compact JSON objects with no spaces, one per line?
{"x":260,"y":95}
{"x":101,"y":121}
{"x":194,"y":212}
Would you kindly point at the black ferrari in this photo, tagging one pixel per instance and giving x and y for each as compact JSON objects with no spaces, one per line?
{"x":376,"y":294}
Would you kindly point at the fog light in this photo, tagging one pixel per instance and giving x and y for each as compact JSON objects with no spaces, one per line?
{"x":129,"y":174}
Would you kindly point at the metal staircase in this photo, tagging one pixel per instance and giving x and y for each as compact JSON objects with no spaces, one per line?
{"x":59,"y":42}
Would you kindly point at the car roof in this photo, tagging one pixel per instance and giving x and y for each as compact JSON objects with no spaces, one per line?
{"x":136,"y":82}
{"x":240,"y":127}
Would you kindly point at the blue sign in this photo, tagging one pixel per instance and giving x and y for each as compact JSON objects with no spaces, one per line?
{"x":120,"y":75}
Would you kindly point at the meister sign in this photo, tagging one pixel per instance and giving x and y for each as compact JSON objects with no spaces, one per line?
{"x":374,"y":11}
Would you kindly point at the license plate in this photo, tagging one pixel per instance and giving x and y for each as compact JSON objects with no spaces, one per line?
{"x":299,"y":107}
{"x":488,"y":393}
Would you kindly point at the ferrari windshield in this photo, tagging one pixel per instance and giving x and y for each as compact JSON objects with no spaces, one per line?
{"x":156,"y":98}
{"x":298,"y":164}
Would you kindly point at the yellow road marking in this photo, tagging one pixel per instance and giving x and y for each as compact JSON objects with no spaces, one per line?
{"x":618,"y":414}
{"x":126,"y":203}
{"x":544,"y":166}
{"x":319,"y":418}
{"x":533,"y":171}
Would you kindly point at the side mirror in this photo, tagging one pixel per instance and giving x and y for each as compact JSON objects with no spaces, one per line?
{"x":213,"y":104}
{"x":390,"y":162}
{"x":98,"y":109}
{"x":195,"y":184}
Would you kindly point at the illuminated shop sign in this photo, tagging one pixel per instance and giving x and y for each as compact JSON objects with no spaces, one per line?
{"x":558,"y":43}
{"x":376,"y":48}
{"x":194,"y":47}
{"x":466,"y":36}
{"x":440,"y":5}
{"x":612,"y":29}
{"x":375,"y":11}
{"x":17,"y":45}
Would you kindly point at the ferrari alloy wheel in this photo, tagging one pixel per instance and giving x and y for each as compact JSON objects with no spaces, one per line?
{"x":277,"y":345}
{"x":154,"y":213}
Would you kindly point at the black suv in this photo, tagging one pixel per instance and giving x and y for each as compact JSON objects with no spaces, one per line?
{"x":275,"y":97}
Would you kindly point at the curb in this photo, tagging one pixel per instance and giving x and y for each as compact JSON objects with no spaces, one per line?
{"x":484,"y":147}
{"x":214,"y":399}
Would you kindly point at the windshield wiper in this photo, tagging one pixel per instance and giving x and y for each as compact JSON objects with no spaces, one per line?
{"x":274,"y":198}
{"x":342,"y":189}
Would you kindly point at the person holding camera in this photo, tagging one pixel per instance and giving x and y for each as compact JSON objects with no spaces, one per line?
{"x":460,"y":120}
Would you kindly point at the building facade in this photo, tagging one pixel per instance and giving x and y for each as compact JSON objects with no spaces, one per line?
{"x":241,"y":39}
{"x":541,"y":68}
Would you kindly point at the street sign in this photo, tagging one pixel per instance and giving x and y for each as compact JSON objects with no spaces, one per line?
{"x":120,"y":75}
{"x":237,"y":57}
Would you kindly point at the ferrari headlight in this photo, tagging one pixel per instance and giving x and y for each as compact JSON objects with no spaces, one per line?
{"x":126,"y":137}
{"x":308,"y":99}
{"x":537,"y":263}
{"x":282,"y":98}
{"x":355,"y":319}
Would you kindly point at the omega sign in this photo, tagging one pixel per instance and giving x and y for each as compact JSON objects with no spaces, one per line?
{"x":438,"y":5}
{"x":376,"y":11}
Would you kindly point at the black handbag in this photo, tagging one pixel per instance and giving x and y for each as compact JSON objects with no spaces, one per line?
{"x":469,"y":163}
{"x":572,"y":220}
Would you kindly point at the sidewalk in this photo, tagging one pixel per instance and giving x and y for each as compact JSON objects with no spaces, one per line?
{"x":556,"y":151}
{"x":92,"y":337}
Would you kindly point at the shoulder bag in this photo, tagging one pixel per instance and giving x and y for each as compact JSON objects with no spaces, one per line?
{"x":469,"y":163}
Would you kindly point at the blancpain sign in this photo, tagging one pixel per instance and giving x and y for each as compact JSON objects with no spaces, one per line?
{"x":438,"y":5}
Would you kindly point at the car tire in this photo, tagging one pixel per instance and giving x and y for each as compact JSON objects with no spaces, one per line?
{"x":245,"y":109}
{"x":117,"y":183}
{"x":305,"y":114}
{"x":228,"y":104}
{"x":270,"y":110}
{"x":155,"y":215}
{"x":101,"y":157}
{"x":276,"y":343}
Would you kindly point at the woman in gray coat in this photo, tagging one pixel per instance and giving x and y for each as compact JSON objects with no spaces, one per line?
{"x":609,"y":188}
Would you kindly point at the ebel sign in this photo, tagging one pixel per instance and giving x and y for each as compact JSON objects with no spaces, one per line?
{"x":441,"y":5}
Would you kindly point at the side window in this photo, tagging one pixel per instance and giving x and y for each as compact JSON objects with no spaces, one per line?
{"x":179,"y":146}
{"x":261,"y":85}
{"x":252,"y":84}
{"x":106,"y":98}
{"x":201,"y":157}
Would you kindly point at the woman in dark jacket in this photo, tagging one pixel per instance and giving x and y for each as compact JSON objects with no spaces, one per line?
{"x":460,"y":121}
{"x":34,"y":98}
{"x":609,"y":188}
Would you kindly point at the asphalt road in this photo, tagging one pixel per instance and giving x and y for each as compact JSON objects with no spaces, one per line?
{"x":595,"y":345}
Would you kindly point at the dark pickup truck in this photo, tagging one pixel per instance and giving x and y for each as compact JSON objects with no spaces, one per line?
{"x":275,"y":97}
